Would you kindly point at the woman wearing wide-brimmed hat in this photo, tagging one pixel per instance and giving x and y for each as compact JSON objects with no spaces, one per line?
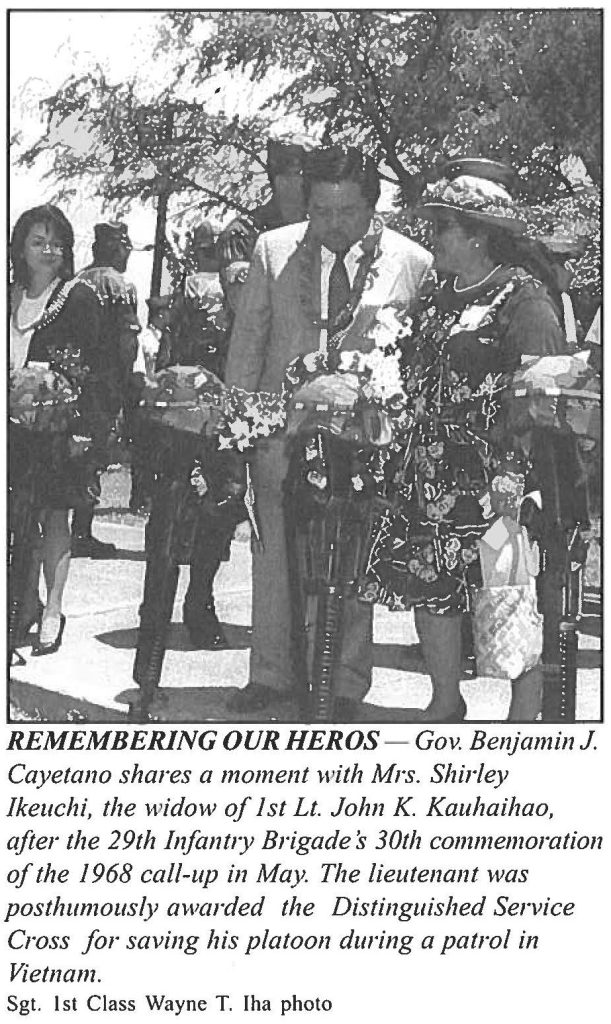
{"x":492,"y":308}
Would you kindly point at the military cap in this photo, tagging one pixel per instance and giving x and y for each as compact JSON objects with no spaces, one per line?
{"x":159,"y":302}
{"x":285,"y":153}
{"x":111,"y":231}
{"x":203,"y":235}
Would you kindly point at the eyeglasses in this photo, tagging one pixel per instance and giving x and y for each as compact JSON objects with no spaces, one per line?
{"x":53,"y":249}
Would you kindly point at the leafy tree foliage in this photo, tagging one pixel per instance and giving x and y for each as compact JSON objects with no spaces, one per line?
{"x":416,"y":86}
{"x":411,"y":87}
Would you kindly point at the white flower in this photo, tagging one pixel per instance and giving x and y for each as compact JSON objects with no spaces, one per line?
{"x":317,"y":480}
{"x":312,"y":361}
{"x":471,"y":318}
{"x":387,"y":317}
{"x":198,"y":482}
{"x":357,"y":483}
{"x":239,"y":427}
{"x":351,"y":361}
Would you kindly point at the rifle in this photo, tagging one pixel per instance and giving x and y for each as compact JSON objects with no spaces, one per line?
{"x":564,"y":515}
{"x":166,"y":548}
{"x":326,"y":533}
{"x":176,"y":518}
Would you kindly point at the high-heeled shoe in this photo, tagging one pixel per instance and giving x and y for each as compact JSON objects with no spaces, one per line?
{"x":39,"y":648}
{"x":33,"y":619}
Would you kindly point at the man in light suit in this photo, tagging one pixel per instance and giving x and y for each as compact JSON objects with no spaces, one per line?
{"x":303,"y":285}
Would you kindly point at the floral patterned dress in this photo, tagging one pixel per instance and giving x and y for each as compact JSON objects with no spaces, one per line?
{"x":458,"y":356}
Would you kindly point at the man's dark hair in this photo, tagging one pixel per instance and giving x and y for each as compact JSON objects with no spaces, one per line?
{"x":335,"y":164}
{"x":52,"y":217}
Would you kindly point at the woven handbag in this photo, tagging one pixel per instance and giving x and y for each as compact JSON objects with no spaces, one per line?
{"x":507,"y":628}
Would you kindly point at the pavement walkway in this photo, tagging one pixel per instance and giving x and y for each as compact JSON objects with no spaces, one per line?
{"x":90,"y":677}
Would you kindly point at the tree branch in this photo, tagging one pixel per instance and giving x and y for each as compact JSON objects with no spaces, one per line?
{"x":224,"y":200}
{"x":556,"y":172}
{"x":374,"y":111}
{"x":440,"y":22}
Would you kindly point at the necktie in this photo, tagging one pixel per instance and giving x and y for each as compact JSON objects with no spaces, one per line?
{"x":339,"y":290}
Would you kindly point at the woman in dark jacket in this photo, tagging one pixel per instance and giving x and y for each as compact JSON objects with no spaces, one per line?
{"x":54,"y":321}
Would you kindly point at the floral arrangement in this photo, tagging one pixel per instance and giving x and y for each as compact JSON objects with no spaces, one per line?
{"x":334,"y":380}
{"x":185,"y":398}
{"x":559,"y":392}
{"x":375,"y":373}
{"x":249,"y":416}
{"x":41,"y":399}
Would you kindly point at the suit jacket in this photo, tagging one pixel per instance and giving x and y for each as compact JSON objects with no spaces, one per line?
{"x":272,"y":328}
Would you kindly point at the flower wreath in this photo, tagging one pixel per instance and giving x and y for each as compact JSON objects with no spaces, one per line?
{"x":249,"y":416}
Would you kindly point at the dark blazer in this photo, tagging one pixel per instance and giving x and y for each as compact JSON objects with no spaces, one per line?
{"x":68,"y":338}
{"x":75,"y":327}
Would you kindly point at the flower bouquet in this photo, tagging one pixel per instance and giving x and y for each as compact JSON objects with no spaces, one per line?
{"x":42,"y":400}
{"x":187,"y":399}
{"x":357,"y":395}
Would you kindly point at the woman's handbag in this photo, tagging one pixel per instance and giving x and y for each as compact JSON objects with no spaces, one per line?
{"x":507,"y":627}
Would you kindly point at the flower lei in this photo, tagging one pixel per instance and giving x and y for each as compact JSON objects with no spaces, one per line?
{"x":306,"y":253}
{"x":52,"y":311}
{"x":434,"y":330}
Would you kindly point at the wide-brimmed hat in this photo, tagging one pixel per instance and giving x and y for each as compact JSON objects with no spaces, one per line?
{"x":481,"y":167}
{"x":485,"y":201}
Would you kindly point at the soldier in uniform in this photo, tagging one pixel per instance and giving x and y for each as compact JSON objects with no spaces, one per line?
{"x":285,"y":158}
{"x":198,"y":307}
{"x":115,"y":354}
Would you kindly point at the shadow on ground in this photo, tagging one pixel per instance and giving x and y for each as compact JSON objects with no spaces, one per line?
{"x":238,"y":638}
{"x":120,"y":555}
{"x":212,"y":704}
